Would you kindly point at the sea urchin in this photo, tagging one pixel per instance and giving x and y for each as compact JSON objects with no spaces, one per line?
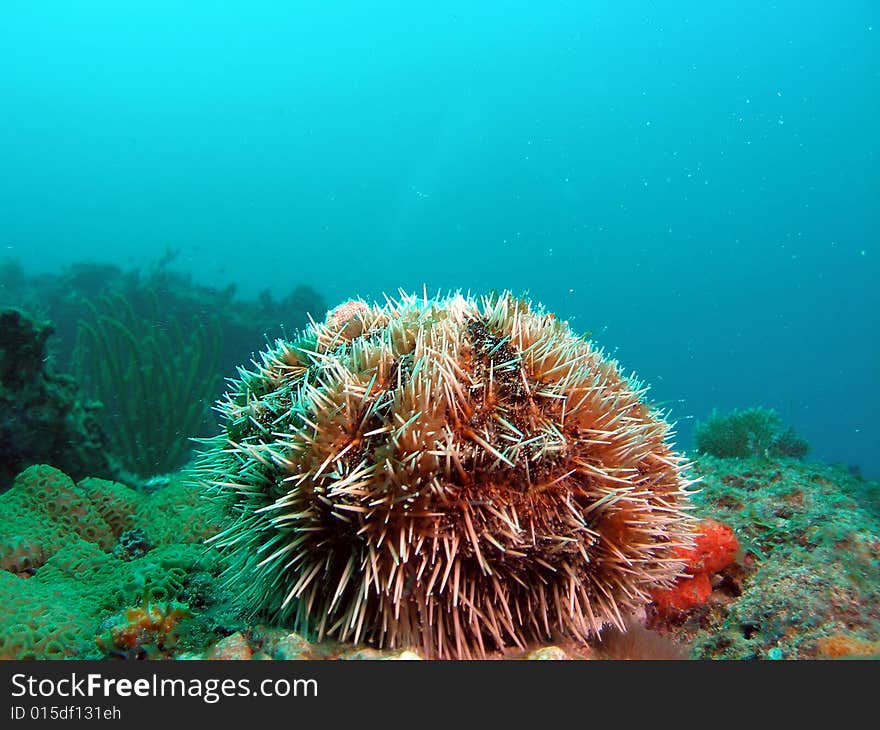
{"x":453,"y":474}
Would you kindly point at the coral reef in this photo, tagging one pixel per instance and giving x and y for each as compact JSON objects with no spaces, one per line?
{"x":748,"y":432}
{"x":152,"y":347}
{"x":43,"y":512}
{"x":807,"y":584}
{"x":132,"y":544}
{"x":160,"y":295}
{"x":42,"y":418}
{"x":60,"y":577}
{"x":450,"y":474}
{"x":429,"y":478}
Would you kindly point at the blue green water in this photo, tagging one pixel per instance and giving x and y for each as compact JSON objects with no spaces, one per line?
{"x":695,"y":183}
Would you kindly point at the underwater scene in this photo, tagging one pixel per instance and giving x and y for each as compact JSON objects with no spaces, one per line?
{"x":463,"y":330}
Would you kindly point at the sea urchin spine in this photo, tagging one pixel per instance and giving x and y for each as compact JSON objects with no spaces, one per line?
{"x":453,"y":474}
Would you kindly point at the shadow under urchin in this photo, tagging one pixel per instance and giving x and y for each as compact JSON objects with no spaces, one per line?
{"x":450,"y":474}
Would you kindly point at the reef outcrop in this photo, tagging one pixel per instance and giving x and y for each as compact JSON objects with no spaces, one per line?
{"x":43,"y":420}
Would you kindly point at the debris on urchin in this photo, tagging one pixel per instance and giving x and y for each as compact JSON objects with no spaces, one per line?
{"x":453,"y":474}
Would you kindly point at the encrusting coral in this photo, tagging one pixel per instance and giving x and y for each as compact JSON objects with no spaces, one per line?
{"x":61,"y":572}
{"x":452,"y":474}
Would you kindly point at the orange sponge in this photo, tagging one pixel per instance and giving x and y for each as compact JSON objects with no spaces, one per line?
{"x":714,"y":549}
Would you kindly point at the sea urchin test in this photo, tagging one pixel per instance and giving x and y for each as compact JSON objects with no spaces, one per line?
{"x":452,"y":474}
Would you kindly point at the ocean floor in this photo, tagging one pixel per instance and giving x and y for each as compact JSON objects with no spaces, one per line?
{"x":94,"y":569}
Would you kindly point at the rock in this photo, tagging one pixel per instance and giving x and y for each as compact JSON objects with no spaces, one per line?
{"x":43,"y":420}
{"x":376,"y":654}
{"x":360,"y":654}
{"x":233,"y":647}
{"x":289,"y":647}
{"x":553,"y":653}
{"x":404,"y":656}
